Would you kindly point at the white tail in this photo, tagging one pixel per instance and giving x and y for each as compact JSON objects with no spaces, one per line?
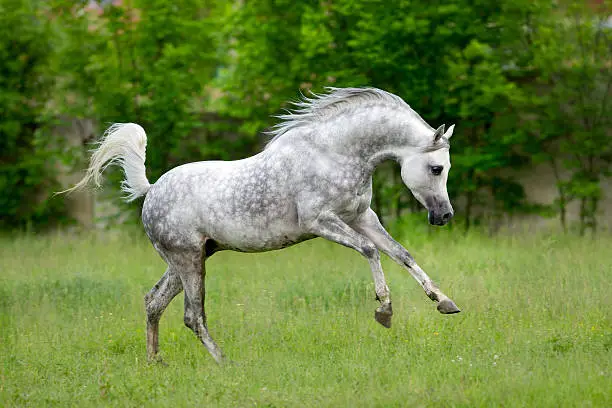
{"x":124,"y":144}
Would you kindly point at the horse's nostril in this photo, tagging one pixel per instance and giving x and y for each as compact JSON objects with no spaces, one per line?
{"x":447,"y":216}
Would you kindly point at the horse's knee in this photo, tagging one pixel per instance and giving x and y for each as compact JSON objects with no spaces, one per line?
{"x":153,"y":314}
{"x":193,"y":320}
{"x":148,"y":298}
{"x":152,"y":306}
{"x":369,"y":250}
{"x":190,"y":320}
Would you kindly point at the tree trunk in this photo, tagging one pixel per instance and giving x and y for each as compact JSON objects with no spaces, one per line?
{"x":583,"y":215}
{"x":593,"y":204}
{"x":468,"y":210}
{"x":562,"y":207}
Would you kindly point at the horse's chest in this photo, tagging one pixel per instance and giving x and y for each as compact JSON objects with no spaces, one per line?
{"x":352,"y":203}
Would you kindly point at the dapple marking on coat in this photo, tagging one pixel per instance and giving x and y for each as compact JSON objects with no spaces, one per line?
{"x":314,"y":179}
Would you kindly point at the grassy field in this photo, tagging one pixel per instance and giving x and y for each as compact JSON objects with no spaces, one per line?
{"x":536,"y":327}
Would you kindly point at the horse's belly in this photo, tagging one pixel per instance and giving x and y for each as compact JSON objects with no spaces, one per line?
{"x":246,"y":239}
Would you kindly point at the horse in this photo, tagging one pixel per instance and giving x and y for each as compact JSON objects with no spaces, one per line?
{"x":313,"y":179}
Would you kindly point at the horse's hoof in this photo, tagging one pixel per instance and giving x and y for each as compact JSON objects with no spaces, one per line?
{"x":226,"y":363}
{"x":157,"y":360}
{"x":447,"y":306}
{"x":383,"y":317}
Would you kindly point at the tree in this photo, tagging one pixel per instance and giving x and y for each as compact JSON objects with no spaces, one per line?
{"x":569,"y":52}
{"x":24,"y":88}
{"x":148,"y":62}
{"x":445,"y":60}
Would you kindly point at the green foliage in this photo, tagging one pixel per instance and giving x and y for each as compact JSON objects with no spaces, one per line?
{"x":146,"y":62}
{"x":445,"y":60}
{"x":570,"y":49}
{"x":526,"y":82}
{"x":26,"y":172}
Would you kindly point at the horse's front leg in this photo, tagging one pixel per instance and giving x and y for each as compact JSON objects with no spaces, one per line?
{"x":331,"y":227}
{"x":369,"y":225}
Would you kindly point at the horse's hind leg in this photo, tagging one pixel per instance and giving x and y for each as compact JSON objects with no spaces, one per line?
{"x":156,"y":302}
{"x":192,"y":273}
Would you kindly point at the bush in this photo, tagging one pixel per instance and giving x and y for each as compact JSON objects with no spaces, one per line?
{"x":26,"y":173}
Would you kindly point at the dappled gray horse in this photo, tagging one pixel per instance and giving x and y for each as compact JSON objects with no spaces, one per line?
{"x":314,"y":179}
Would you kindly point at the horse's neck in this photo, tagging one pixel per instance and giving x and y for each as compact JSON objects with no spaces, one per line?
{"x":374,"y":134}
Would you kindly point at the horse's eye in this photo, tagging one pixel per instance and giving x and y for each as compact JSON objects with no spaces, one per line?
{"x":436,"y":170}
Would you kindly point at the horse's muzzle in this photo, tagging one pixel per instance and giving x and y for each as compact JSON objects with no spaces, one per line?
{"x":438,"y":218}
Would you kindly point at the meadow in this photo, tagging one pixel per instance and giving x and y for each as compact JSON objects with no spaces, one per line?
{"x":535,"y":331}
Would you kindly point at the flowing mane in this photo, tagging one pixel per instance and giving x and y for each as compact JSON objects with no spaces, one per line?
{"x":321,"y":106}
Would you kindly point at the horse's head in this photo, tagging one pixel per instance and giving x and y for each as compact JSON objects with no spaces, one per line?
{"x":425,"y":172}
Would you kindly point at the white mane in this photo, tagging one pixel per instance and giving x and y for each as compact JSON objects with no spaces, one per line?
{"x":321,"y":106}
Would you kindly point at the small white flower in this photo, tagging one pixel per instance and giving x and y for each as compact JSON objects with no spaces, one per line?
{"x":496,"y":357}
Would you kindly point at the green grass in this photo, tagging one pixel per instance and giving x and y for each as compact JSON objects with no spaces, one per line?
{"x":536,"y":327}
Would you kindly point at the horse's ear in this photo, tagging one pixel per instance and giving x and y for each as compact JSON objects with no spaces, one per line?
{"x":449,"y":132}
{"x":439,"y":133}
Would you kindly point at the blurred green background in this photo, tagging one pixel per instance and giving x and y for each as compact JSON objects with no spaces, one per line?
{"x":527,"y":82}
